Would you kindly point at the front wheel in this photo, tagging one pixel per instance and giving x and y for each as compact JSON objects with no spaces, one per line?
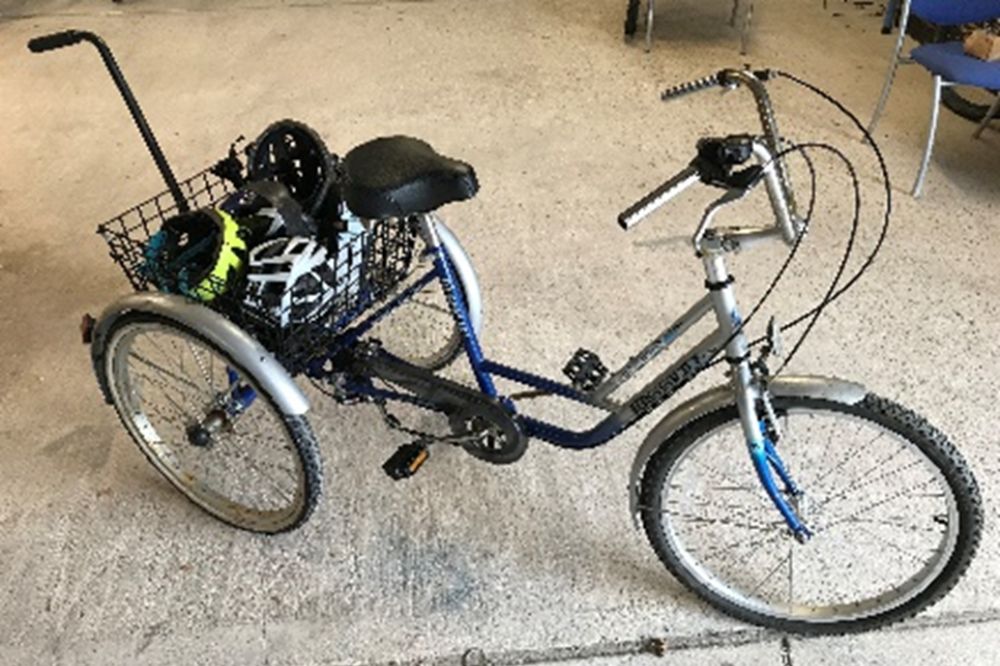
{"x":895,"y":513}
{"x":206,"y":424}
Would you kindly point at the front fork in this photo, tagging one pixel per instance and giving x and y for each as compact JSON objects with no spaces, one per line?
{"x":761,"y":435}
{"x":241,"y":395}
{"x":757,"y":417}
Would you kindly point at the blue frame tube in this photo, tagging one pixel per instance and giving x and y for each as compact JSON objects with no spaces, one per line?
{"x":762,"y":464}
{"x":569,"y":439}
{"x":444,"y":270}
{"x":536,"y":381}
{"x":779,"y":466}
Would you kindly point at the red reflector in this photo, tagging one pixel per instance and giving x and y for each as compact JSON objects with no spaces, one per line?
{"x":87,"y":328}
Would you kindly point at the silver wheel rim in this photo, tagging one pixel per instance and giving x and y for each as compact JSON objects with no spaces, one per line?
{"x":164,"y":381}
{"x":756,"y":585}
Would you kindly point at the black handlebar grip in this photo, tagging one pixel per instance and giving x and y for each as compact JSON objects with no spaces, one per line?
{"x":56,"y":40}
{"x":690,"y":87}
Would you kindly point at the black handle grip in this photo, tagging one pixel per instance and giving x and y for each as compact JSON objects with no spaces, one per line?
{"x":56,"y":40}
{"x":721,"y":78}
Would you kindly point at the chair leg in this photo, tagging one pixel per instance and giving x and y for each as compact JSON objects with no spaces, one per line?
{"x":990,"y":115}
{"x":889,"y":18}
{"x":918,"y":185}
{"x":887,"y":86}
{"x":732,"y":15}
{"x":650,"y":10}
{"x":745,"y":31}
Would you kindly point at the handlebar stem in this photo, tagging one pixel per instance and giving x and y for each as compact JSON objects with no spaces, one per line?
{"x":727,"y":198}
{"x":785,"y":219}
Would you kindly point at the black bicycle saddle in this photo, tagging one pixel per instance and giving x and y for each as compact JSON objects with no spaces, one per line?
{"x":398,"y":176}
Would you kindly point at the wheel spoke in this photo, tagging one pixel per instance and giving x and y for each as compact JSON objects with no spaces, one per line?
{"x":847,"y":457}
{"x":163,"y":390}
{"x":905,"y":493}
{"x":209,"y":380}
{"x":892,"y":544}
{"x":891,"y":506}
{"x":159,"y":368}
{"x":770,"y":574}
{"x":165,"y":383}
{"x":723,"y":521}
{"x":846,"y":491}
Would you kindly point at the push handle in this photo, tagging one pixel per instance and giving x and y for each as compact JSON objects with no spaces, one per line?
{"x":56,"y":40}
{"x":69,"y":37}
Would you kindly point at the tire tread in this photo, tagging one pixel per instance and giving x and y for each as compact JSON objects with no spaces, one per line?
{"x":881,"y":411}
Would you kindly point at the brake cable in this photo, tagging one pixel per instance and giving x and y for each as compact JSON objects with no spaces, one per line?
{"x":833,"y":292}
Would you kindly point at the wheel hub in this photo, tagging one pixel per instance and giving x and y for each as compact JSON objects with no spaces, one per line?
{"x":202,"y":435}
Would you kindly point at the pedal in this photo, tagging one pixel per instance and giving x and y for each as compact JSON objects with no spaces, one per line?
{"x":585,"y":370}
{"x":405,"y":462}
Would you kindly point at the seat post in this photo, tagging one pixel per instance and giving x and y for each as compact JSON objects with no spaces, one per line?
{"x":427,"y":228}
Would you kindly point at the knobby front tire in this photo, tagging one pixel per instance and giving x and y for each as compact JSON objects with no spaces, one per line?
{"x":895,"y":511}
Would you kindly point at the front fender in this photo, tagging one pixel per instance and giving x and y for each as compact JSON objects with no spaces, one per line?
{"x":270,"y":375}
{"x":719,"y":397}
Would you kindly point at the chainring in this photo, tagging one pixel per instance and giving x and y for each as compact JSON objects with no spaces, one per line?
{"x":487,"y":437}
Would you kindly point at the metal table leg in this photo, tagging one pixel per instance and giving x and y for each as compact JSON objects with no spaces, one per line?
{"x":650,"y":10}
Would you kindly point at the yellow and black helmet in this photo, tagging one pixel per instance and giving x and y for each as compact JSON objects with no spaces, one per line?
{"x":198,"y":254}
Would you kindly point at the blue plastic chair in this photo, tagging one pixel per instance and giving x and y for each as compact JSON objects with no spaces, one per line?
{"x":946,"y":61}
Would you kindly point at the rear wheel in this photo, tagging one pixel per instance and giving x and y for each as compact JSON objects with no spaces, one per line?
{"x":422,"y":330}
{"x":895,"y":513}
{"x":205,"y":423}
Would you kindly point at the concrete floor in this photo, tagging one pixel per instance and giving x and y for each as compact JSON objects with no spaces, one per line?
{"x":103,"y":563}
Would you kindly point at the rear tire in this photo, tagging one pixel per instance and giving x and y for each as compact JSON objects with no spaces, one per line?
{"x":175,"y":393}
{"x":422,"y":331}
{"x":724,"y":574}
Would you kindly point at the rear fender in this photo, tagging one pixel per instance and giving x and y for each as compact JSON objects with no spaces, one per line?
{"x":270,"y":375}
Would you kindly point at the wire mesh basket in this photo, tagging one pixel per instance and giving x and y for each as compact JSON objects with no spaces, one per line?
{"x":367,"y":261}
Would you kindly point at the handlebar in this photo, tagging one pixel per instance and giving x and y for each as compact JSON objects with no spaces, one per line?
{"x":57,"y":40}
{"x":778,"y":186}
{"x":661,"y":195}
